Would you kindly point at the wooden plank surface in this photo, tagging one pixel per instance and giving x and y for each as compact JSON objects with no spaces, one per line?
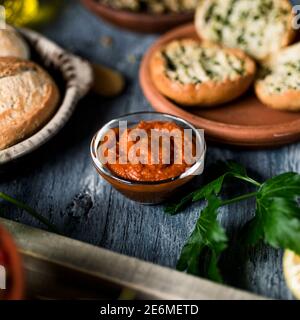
{"x":61,"y":183}
{"x":51,"y":259}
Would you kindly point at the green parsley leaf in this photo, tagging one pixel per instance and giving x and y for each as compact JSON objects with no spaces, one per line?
{"x":276,"y":222}
{"x":207,"y":236}
{"x":230,"y":169}
{"x":212,"y":188}
{"x":277,"y":219}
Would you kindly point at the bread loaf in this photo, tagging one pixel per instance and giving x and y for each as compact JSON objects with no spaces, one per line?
{"x":28,"y":98}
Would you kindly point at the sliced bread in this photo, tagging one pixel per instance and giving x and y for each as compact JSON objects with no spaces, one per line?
{"x":196,"y":73}
{"x":278,"y":83}
{"x":259,"y":27}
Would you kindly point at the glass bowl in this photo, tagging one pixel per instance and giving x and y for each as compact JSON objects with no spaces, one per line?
{"x":148,"y":192}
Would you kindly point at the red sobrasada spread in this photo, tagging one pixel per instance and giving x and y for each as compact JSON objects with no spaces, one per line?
{"x":168,"y":160}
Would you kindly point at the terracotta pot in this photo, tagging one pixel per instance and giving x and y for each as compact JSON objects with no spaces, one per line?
{"x":11,"y":260}
{"x":138,"y":22}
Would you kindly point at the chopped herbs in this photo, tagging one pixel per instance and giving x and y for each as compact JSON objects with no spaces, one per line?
{"x":170,"y":64}
{"x":281,"y":77}
{"x":257,"y":26}
{"x":276,"y":222}
{"x":241,"y":40}
{"x":210,"y":12}
{"x":192,"y":63}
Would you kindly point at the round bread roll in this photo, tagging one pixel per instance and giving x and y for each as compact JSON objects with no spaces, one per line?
{"x":12,"y":44}
{"x":201,"y":74}
{"x":278,"y":84}
{"x":258,"y":27}
{"x":28,"y":98}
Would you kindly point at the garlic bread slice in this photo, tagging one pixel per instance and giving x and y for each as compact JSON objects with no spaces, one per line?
{"x":203,"y":74}
{"x":278,"y":84}
{"x":259,"y":27}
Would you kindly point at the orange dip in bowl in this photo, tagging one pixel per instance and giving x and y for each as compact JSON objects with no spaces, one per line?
{"x":148,"y":156}
{"x":165,"y":161}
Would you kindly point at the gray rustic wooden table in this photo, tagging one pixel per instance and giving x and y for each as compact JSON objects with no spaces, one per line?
{"x":61,"y":183}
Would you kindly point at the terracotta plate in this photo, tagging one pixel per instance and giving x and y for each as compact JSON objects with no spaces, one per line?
{"x":138,"y":22}
{"x":244,"y":122}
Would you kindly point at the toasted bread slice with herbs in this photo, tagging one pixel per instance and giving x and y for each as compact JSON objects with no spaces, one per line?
{"x":278,"y":83}
{"x":196,"y":73}
{"x":259,"y":27}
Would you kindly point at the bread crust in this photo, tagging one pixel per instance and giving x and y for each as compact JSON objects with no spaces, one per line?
{"x":289,"y":99}
{"x":291,"y":33}
{"x":205,"y":94}
{"x":287,"y":38}
{"x":32,"y":100}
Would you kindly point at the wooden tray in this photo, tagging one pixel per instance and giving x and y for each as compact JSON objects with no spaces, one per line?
{"x":138,"y":22}
{"x":244,"y":122}
{"x":61,"y":268}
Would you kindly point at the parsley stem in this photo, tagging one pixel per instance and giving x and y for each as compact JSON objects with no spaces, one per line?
{"x":248,"y":179}
{"x":31,"y":211}
{"x":240,"y":198}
